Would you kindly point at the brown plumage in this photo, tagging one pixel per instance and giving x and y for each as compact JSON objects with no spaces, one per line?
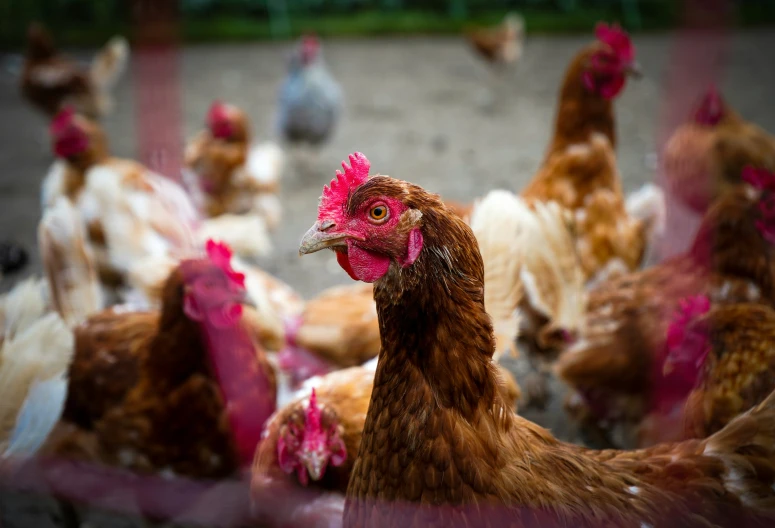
{"x":627,"y":318}
{"x":50,"y":80}
{"x":440,"y":447}
{"x":736,"y":374}
{"x":580,"y":172}
{"x":706,"y":156}
{"x":143,"y":391}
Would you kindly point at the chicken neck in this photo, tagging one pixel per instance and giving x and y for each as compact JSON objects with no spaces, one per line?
{"x":580,"y":112}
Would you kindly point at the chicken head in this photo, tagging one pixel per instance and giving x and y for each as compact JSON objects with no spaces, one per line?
{"x":307,"y":449}
{"x":367,"y":230}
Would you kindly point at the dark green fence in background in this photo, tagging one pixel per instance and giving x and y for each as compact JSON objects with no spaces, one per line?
{"x":86,"y":22}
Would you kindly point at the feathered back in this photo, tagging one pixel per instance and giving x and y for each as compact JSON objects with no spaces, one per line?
{"x":68,"y":263}
{"x":108,"y":65}
{"x":529,"y":261}
{"x":33,"y":352}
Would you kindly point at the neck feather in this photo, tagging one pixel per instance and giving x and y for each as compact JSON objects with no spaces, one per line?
{"x":432,"y":316}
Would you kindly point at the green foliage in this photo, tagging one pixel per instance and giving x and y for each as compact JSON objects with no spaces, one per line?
{"x":90,"y":22}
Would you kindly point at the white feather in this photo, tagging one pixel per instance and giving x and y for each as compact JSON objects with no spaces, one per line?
{"x":38,"y":416}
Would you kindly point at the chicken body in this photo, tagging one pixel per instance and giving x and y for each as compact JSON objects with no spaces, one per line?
{"x":627,"y":318}
{"x":147,"y":390}
{"x":310,"y":99}
{"x":231,"y":175}
{"x":580,"y":173}
{"x":51,"y":81}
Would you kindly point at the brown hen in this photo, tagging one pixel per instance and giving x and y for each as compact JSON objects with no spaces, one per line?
{"x":441,"y":448}
{"x":185,"y":390}
{"x":706,"y":156}
{"x":731,"y":260}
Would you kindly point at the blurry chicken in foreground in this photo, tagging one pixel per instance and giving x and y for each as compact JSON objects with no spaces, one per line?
{"x":51,"y":81}
{"x":500,"y":46}
{"x":717,"y":362}
{"x":706,"y":156}
{"x":534,"y":284}
{"x":185,"y":390}
{"x":229,"y":175}
{"x":732,"y":260}
{"x":310,"y":100}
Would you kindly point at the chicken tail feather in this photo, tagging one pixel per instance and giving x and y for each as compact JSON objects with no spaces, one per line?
{"x":38,"y":416}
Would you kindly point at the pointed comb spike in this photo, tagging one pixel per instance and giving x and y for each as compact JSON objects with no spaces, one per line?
{"x":344,"y":182}
{"x":220,"y":254}
{"x":313,"y":414}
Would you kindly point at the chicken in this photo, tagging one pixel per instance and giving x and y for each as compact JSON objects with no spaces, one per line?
{"x":579,"y":170}
{"x":534,"y":284}
{"x":51,"y":81}
{"x":35,"y":353}
{"x":500,"y":45}
{"x":129,"y":212}
{"x":731,"y":260}
{"x":440,"y":446}
{"x":310,"y":99}
{"x":716,"y":363}
{"x":132,"y":215}
{"x":230,"y":175}
{"x":705,"y":157}
{"x":185,"y":390}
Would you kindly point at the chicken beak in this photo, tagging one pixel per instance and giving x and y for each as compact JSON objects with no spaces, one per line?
{"x":634,"y":71}
{"x":321,"y":236}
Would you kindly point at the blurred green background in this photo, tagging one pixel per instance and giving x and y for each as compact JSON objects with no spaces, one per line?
{"x":89,"y":22}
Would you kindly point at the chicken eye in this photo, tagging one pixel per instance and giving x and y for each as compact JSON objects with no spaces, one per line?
{"x":378,"y":213}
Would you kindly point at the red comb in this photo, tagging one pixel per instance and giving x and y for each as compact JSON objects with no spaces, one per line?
{"x":337,"y":192}
{"x":312,"y":414}
{"x":218,"y":121}
{"x":617,"y":39}
{"x":220,"y":254}
{"x":761,"y":179}
{"x":62,"y":120}
{"x":689,"y":308}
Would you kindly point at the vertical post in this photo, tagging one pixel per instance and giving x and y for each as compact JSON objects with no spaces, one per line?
{"x":156,"y":76}
{"x":697,"y":61}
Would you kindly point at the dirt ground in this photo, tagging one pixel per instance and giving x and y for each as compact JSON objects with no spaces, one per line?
{"x":412,"y":106}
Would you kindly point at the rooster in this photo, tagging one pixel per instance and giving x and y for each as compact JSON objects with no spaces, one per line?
{"x":51,"y":81}
{"x":732,"y":260}
{"x":310,"y":99}
{"x":228,"y":174}
{"x":189,"y":388}
{"x":705,"y":157}
{"x":439,"y":444}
